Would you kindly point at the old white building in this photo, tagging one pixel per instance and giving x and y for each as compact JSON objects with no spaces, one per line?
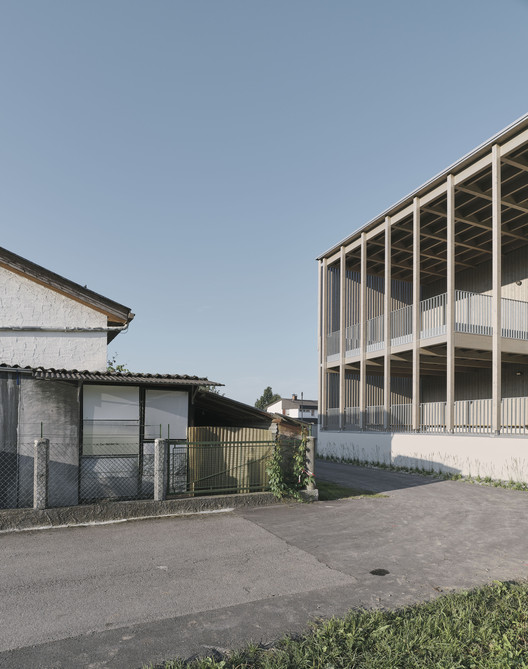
{"x":423,"y":323}
{"x":49,"y":321}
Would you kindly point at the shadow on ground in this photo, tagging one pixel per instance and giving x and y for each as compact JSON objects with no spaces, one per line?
{"x":370,"y":479}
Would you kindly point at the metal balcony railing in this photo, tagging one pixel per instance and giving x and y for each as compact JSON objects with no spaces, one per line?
{"x":352,"y":418}
{"x":469,"y":417}
{"x":514,"y":317}
{"x":432,"y":417}
{"x":401,"y":417}
{"x":401,"y":326}
{"x":433,"y":316}
{"x":353,"y":337}
{"x":514,"y":413}
{"x":472,"y":316}
{"x":333,"y":343}
{"x":375,"y":333}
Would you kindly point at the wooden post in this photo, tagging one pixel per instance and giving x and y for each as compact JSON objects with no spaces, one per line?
{"x":496,"y":359}
{"x":324,"y":327}
{"x":416,"y":317}
{"x":451,"y":305}
{"x":363,"y":336}
{"x":342,"y":339}
{"x":387,"y":300}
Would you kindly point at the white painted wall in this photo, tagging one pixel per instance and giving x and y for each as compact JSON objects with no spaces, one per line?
{"x":471,"y":455}
{"x":24,"y":302}
{"x":293,"y":413}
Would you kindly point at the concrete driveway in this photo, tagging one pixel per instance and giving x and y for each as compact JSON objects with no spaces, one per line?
{"x":124,"y":594}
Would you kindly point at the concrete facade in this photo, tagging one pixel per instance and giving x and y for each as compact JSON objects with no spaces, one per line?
{"x":28,"y":303}
{"x":503,"y":458}
{"x":54,"y":408}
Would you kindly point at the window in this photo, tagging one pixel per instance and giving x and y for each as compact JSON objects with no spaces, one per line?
{"x":110,"y":420}
{"x":166,"y":414}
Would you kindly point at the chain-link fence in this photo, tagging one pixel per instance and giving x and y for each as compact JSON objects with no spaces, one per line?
{"x":75,"y":478}
{"x":123,"y":470}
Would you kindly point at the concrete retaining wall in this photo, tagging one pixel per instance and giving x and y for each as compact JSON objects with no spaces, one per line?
{"x":25,"y":519}
{"x":471,"y":455}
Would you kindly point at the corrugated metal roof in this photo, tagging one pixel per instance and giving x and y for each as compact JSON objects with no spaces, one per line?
{"x":123,"y":378}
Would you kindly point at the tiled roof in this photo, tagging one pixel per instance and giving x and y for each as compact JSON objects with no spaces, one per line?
{"x":288,"y":403}
{"x":122,"y":378}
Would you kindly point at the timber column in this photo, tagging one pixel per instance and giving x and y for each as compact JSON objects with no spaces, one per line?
{"x":342,"y":337}
{"x":415,"y":420}
{"x":451,"y":296}
{"x":324,"y":331}
{"x":387,"y":299}
{"x":363,"y":337}
{"x":496,"y":346}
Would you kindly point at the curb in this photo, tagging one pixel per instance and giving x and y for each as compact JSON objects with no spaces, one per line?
{"x":13,"y":520}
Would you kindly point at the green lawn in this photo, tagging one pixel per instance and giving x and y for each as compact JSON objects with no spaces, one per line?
{"x":487,"y":627}
{"x":329,"y":491}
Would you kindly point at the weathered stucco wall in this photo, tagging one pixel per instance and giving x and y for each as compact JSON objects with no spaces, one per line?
{"x":26,"y":303}
{"x":471,"y":455}
{"x":56,"y":405}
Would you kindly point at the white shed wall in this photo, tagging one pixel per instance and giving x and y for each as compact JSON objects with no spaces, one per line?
{"x":25,"y":303}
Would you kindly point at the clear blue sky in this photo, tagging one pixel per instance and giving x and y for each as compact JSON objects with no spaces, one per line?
{"x":191,"y":159}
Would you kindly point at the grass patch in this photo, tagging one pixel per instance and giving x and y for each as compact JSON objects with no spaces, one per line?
{"x":329,"y":491}
{"x":487,"y":627}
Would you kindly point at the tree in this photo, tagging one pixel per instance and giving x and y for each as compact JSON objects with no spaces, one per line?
{"x":114,"y":366}
{"x":267,"y":398}
{"x":211,"y":389}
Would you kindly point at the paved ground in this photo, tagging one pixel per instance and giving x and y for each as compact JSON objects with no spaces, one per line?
{"x":119,"y":595}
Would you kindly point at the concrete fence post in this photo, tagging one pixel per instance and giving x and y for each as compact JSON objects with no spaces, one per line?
{"x":40,"y":474}
{"x":161,"y":469}
{"x":310,"y":461}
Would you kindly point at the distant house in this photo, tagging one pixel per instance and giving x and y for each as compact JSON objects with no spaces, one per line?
{"x":301,"y":409}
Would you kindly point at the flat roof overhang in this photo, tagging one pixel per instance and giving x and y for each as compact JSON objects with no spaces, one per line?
{"x":473,"y":213}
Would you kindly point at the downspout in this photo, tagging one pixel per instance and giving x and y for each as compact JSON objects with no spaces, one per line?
{"x":43,"y":328}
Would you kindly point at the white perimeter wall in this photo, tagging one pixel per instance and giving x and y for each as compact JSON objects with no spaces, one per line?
{"x":23,"y":303}
{"x":471,"y":455}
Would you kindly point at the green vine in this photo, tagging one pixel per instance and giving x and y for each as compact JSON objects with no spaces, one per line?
{"x":287,"y":479}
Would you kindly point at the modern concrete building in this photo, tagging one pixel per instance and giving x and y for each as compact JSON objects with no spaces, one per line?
{"x":423,"y":323}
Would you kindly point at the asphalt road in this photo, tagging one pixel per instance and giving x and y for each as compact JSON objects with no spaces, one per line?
{"x":121,"y":595}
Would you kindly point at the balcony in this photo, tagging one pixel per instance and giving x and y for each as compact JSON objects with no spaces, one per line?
{"x":472,"y":316}
{"x":469,"y":417}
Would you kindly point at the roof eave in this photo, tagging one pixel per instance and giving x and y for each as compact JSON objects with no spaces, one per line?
{"x":520,"y":124}
{"x":114,"y":311}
